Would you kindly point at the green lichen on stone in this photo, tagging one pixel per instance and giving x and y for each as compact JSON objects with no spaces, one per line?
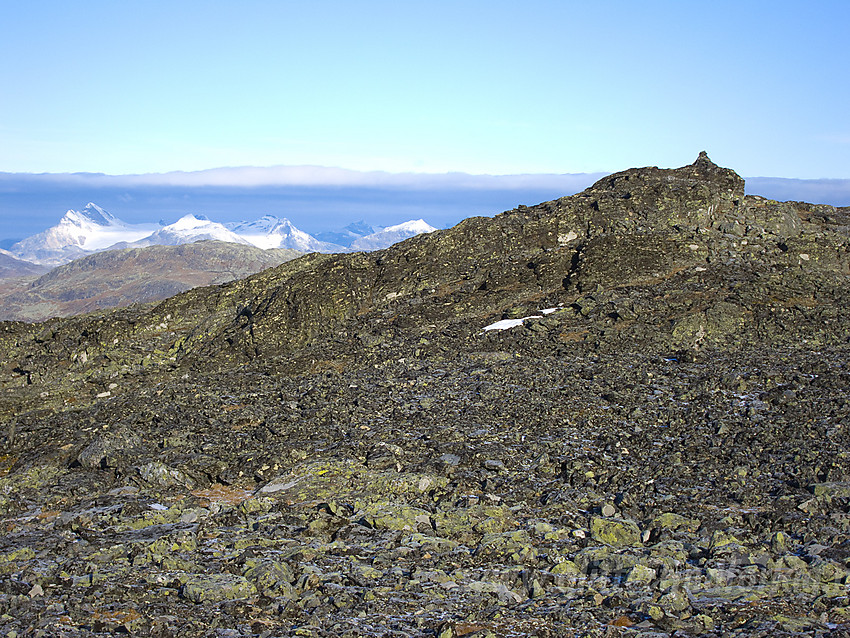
{"x":673,"y":521}
{"x":515,"y":545}
{"x":271,"y":578}
{"x":832,"y":490}
{"x":616,"y":532}
{"x":641,"y":574}
{"x":395,"y":517}
{"x":172,"y":546}
{"x":11,"y":562}
{"x":217,"y":588}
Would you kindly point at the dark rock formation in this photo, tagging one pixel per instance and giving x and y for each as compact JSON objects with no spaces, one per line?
{"x":337,"y":446}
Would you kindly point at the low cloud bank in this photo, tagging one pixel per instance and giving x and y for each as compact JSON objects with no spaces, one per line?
{"x":253,"y":177}
{"x":835,"y":192}
{"x":316,"y":198}
{"x":823,"y":191}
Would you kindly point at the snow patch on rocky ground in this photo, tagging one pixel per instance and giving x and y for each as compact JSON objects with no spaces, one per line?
{"x":507,"y":324}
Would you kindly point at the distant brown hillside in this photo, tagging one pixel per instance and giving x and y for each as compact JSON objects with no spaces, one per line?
{"x":136,"y":275}
{"x":12,"y":267}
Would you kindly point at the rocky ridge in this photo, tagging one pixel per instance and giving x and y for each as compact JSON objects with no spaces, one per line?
{"x":336,"y":446}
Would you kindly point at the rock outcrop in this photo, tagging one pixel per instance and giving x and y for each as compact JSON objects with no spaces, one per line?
{"x":337,"y":446}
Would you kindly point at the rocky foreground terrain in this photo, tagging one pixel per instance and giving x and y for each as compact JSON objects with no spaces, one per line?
{"x":338,"y":447}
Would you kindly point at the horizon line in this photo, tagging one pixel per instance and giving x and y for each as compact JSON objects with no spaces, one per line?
{"x":305,"y":175}
{"x":247,"y":176}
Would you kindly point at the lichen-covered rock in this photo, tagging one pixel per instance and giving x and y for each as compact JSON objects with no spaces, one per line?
{"x":673,"y":521}
{"x":460,"y":522}
{"x":157,"y":473}
{"x":831,"y":490}
{"x":621,"y":260}
{"x":395,"y":517}
{"x":641,"y":574}
{"x":615,"y":531}
{"x":674,"y":601}
{"x":716,"y":324}
{"x":565,"y":567}
{"x":217,"y":588}
{"x":107,"y":449}
{"x":517,"y":546}
{"x":603,"y":560}
{"x":428,"y":543}
{"x":721,"y":540}
{"x":271,"y":578}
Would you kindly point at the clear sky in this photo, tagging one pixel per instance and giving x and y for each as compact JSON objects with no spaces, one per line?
{"x":473,"y":86}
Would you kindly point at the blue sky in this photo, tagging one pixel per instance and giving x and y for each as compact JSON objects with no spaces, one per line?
{"x":479,"y":87}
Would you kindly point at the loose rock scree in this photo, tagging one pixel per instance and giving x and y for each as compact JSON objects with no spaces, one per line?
{"x":337,"y":446}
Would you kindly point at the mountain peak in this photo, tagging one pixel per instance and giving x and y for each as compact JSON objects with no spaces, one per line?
{"x":189,"y":229}
{"x":189,"y":221}
{"x":392,"y":234}
{"x":703,"y":160}
{"x":415,"y":225}
{"x":90,"y":214}
{"x":99,"y":215}
{"x":278,"y":232}
{"x":652,"y":197}
{"x":706,"y":167}
{"x":360,"y":228}
{"x":283,"y":222}
{"x":78,"y":233}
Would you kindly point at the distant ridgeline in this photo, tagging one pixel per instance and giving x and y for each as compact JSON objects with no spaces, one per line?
{"x":92,"y":229}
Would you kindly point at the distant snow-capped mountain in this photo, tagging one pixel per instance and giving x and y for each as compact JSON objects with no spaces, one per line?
{"x":345,"y":236}
{"x":80,"y":233}
{"x":274,"y":232}
{"x":77,"y":234}
{"x":189,"y":229}
{"x":391,"y":235}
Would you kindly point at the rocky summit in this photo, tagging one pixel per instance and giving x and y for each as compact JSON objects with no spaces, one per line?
{"x":620,"y":413}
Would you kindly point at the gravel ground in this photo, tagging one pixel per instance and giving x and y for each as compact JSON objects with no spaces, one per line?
{"x":338,"y":447}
